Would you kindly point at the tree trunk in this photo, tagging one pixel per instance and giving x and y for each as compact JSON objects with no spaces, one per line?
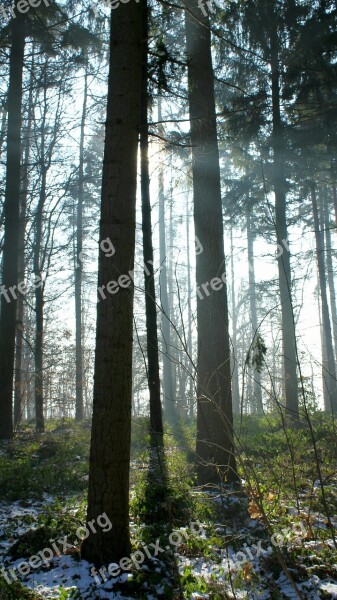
{"x":156,"y":422}
{"x":19,"y":384}
{"x":283,"y":254}
{"x":111,"y":428}
{"x":330,"y":377}
{"x":164,"y":299}
{"x":257,"y":389}
{"x":329,"y":268}
{"x":325,"y":369}
{"x":10,"y":262}
{"x":3,"y":126}
{"x":39,"y":298}
{"x":78,"y":262}
{"x":234,"y":361}
{"x":189,"y":315}
{"x":215,"y":445}
{"x":171,"y":312}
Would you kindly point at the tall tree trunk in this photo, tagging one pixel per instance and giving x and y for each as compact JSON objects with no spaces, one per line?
{"x":19,"y":383}
{"x":39,"y":298}
{"x":170,"y":283}
{"x":150,"y":292}
{"x":279,"y":177}
{"x":257,"y":389}
{"x":333,"y":185}
{"x":189,"y":313}
{"x":325,"y":367}
{"x":215,"y":445}
{"x":169,"y":406}
{"x":10,"y":263}
{"x":329,"y":268}
{"x":3,"y":126}
{"x":234,"y":361}
{"x":78,"y":261}
{"x":111,"y":427}
{"x":330,"y":377}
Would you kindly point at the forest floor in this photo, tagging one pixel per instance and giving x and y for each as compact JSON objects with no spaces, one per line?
{"x":273,"y":538}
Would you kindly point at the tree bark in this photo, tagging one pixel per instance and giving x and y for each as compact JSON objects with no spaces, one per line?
{"x":111,"y":427}
{"x":10,"y":263}
{"x":215,"y":445}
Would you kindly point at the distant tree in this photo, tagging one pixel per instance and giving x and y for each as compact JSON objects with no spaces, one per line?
{"x":329,"y":377}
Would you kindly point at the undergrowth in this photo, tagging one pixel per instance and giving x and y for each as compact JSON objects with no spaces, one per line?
{"x":280,"y":486}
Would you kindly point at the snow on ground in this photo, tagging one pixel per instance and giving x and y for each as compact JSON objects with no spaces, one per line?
{"x":68,"y":572}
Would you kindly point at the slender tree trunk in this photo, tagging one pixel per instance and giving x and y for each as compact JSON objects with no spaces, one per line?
{"x":173,"y":334}
{"x":279,"y":177}
{"x":39,"y":298}
{"x":257,"y":389}
{"x":215,"y":445}
{"x":150,"y":292}
{"x":234,"y":362}
{"x":3,"y":126}
{"x":78,"y":262}
{"x":10,"y":262}
{"x":19,"y":382}
{"x":164,"y":300}
{"x":330,"y":377}
{"x":325,"y":367}
{"x":189,"y":312}
{"x":334,"y":190}
{"x":329,"y":268}
{"x":111,"y":428}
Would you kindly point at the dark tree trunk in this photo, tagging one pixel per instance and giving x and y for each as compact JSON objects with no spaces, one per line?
{"x":111,"y":427}
{"x":156,"y":422}
{"x":10,"y":263}
{"x":330,"y":376}
{"x":279,"y":177}
{"x":79,"y":264}
{"x":257,"y":389}
{"x":215,"y":445}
